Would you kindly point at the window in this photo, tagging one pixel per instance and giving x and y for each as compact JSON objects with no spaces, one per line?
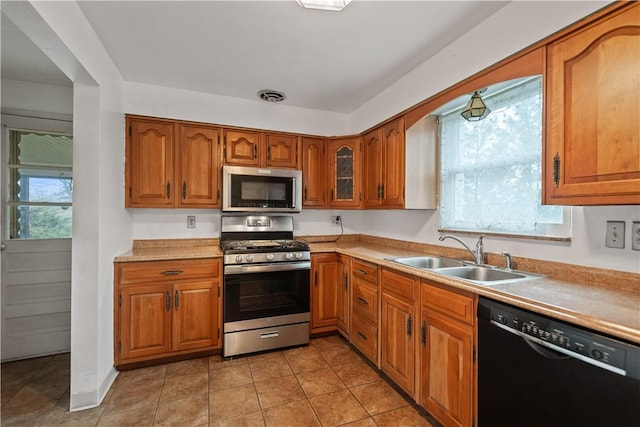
{"x":491,"y":169}
{"x":40,"y":185}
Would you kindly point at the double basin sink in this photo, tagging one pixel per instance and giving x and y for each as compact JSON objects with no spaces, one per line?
{"x":479,"y":274}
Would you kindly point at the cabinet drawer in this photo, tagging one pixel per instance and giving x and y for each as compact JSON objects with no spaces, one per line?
{"x":450,"y":303}
{"x":400,"y":284}
{"x":365,"y":300}
{"x":365,"y":337}
{"x":364,"y":270}
{"x":153,"y":271}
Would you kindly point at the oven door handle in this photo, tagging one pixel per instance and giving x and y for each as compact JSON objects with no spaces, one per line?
{"x":266,"y":268}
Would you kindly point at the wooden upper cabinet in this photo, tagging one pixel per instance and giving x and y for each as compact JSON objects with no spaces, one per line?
{"x":241,"y":148}
{"x":199,"y":166}
{"x":150,"y":163}
{"x":344,"y":173}
{"x":258,"y":149}
{"x":171,"y":164}
{"x":384,"y":166}
{"x":592,"y":148}
{"x":314,"y":168}
{"x":281,"y":150}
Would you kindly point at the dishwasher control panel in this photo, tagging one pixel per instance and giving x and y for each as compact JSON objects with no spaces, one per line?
{"x":606,"y":352}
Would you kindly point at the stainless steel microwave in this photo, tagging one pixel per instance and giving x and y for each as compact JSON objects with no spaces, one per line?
{"x":246,"y":189}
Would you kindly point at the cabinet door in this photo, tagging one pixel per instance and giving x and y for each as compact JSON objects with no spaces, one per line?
{"x":344,"y":296}
{"x":324,"y":294}
{"x":150,"y":166}
{"x":397,"y":341}
{"x":344,"y":173}
{"x":195,"y":315}
{"x":281,"y":151}
{"x":592,"y":153}
{"x":393,"y":160}
{"x":241,"y":148}
{"x":145,"y":322}
{"x":372,"y":156}
{"x":314,"y":168}
{"x":199,"y":166}
{"x":446,"y":388}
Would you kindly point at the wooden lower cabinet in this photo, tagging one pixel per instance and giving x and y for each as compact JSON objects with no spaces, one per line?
{"x":166,"y":309}
{"x":325,"y":275}
{"x":343,"y":312}
{"x":447,"y":356}
{"x":397,"y":328}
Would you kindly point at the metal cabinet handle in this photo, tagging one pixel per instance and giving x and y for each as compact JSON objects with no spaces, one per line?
{"x":167,"y":301}
{"x":305,"y":194}
{"x":556,"y":169}
{"x":382,"y":191}
{"x":255,"y":151}
{"x":362,"y":301}
{"x":423,"y":332}
{"x":171,"y":272}
{"x":345,"y":280}
{"x":177,"y":300}
{"x":364,"y":273}
{"x":362,"y":336}
{"x":315,"y":280}
{"x":168,"y":190}
{"x":269,"y":153}
{"x":409,"y":325}
{"x":184,"y":190}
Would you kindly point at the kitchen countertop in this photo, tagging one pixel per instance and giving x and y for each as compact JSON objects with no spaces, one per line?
{"x":611,"y":309}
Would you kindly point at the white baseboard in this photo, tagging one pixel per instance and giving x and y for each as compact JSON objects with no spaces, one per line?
{"x":92,"y":399}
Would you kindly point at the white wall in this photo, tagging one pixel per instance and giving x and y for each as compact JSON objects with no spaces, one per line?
{"x":27,"y":97}
{"x":182,"y":104}
{"x":101,"y":226}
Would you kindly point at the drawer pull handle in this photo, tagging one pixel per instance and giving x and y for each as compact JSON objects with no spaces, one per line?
{"x":423,"y":332}
{"x":361,"y":335}
{"x":172,"y":272}
{"x":362,"y":301}
{"x":364,"y":273}
{"x":177,"y":300}
{"x":409,"y":325}
{"x":275,"y":334}
{"x":167,"y":301}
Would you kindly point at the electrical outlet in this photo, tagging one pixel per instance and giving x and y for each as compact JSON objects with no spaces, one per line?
{"x":635,"y":235}
{"x":615,"y":234}
{"x":338,"y":219}
{"x":191,"y":221}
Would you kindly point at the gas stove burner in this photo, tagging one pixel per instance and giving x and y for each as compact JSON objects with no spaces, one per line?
{"x":263,"y":245}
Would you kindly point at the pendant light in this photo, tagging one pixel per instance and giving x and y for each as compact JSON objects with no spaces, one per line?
{"x":475,"y":109}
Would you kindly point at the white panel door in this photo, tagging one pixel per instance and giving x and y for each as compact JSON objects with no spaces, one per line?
{"x":35,"y":290}
{"x":36,"y":297}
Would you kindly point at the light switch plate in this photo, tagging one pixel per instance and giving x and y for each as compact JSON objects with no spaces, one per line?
{"x":615,"y":235}
{"x":635,"y":235}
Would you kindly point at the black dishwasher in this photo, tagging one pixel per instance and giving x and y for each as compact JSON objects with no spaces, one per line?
{"x":537,"y":371}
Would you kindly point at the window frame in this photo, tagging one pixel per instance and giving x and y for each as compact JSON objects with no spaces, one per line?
{"x":17,"y":120}
{"x":546,"y":231}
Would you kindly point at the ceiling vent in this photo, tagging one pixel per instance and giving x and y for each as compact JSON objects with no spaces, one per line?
{"x":270,"y":95}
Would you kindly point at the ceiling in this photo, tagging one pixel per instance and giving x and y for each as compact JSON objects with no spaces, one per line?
{"x":321,"y":60}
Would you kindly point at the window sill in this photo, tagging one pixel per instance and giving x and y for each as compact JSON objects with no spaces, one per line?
{"x":506,"y":235}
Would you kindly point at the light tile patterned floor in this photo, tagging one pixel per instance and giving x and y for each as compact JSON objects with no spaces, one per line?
{"x":323,"y":384}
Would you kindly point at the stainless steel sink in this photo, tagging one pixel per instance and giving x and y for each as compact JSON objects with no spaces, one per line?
{"x":428,"y":262}
{"x":479,"y":274}
{"x":486,"y":275}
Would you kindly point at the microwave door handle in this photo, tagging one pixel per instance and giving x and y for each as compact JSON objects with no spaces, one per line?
{"x":293,"y":202}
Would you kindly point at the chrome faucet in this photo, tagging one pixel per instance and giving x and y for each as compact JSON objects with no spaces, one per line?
{"x":507,"y":259}
{"x":478,"y":254}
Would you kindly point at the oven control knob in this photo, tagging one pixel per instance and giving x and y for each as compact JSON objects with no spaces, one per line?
{"x":298,"y":255}
{"x":250,"y":258}
{"x":270,"y":257}
{"x":289,"y":255}
{"x":238,"y":258}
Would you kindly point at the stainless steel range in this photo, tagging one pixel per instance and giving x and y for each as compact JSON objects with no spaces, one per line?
{"x":266,"y":284}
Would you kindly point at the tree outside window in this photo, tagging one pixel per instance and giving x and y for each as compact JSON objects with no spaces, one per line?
{"x":41,"y":185}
